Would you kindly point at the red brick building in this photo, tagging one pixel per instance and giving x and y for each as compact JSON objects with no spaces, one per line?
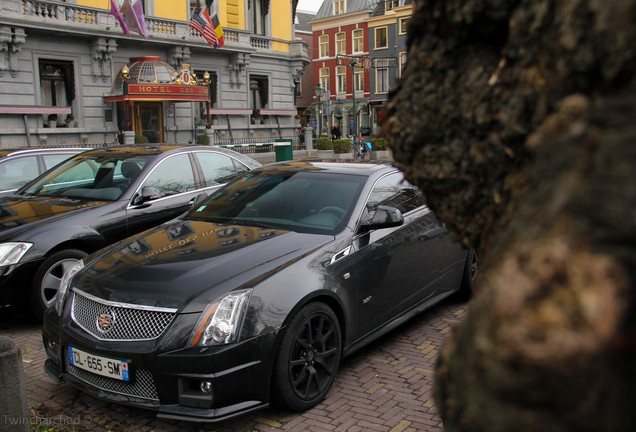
{"x":340,"y":45}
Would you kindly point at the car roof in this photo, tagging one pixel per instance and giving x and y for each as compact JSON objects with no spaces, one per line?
{"x":363,"y":169}
{"x":31,"y":150}
{"x":158,"y":149}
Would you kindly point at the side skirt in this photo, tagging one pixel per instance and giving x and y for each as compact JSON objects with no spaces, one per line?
{"x":394,"y":323}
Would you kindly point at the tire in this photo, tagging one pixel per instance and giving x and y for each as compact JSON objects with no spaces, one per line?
{"x":46,"y":282}
{"x":468,"y":277}
{"x":308,"y":358}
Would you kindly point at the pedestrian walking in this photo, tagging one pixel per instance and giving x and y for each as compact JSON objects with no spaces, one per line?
{"x":335,"y":131}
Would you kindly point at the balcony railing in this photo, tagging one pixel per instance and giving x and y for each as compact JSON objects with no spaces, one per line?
{"x":50,"y":14}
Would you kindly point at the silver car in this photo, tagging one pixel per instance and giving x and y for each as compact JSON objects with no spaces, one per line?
{"x":19,"y":166}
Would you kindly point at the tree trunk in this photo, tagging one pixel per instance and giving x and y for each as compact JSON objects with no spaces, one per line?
{"x":517,"y":119}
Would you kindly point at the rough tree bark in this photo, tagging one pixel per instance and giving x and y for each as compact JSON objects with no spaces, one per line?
{"x":518,"y":120}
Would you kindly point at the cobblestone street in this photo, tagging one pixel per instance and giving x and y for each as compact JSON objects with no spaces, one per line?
{"x":387,"y":386}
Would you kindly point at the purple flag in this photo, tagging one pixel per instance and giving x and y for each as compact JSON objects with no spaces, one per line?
{"x":133,"y":20}
{"x":139,"y":11}
{"x":115,"y":11}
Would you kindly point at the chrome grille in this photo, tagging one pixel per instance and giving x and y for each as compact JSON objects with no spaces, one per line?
{"x":119,"y":321}
{"x":142,"y":386}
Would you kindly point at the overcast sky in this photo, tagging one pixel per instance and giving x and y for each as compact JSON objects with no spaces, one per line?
{"x":309,"y":5}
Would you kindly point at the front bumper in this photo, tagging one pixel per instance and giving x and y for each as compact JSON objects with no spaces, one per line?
{"x":15,"y":284}
{"x":169,"y":381}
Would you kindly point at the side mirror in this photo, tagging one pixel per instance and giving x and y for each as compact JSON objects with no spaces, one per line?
{"x":147,"y":194}
{"x":384,"y":217}
{"x":197,"y":200}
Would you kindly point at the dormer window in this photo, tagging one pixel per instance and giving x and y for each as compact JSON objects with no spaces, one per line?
{"x":339,"y":7}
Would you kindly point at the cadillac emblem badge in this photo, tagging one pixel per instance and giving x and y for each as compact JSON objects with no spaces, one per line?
{"x":105,"y":321}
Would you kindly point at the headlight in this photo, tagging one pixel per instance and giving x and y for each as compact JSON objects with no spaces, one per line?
{"x":64,"y":283}
{"x":221,"y":321}
{"x":12,"y":253}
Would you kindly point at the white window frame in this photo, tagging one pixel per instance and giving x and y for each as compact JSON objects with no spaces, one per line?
{"x":386,"y":37}
{"x":382,"y":66}
{"x":323,"y":78}
{"x":339,"y":7}
{"x":341,"y":80}
{"x":358,"y":81}
{"x":341,"y":43}
{"x":357,"y":41}
{"x":403,"y":25}
{"x":402,"y":60}
{"x":323,"y":46}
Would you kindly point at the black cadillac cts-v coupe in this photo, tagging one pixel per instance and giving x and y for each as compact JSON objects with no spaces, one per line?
{"x":254,"y":295}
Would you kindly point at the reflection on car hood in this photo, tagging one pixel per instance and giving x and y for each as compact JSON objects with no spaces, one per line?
{"x":187,"y":264}
{"x":24,"y":210}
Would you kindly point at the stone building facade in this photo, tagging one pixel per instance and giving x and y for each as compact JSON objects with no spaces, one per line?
{"x":65,"y":57}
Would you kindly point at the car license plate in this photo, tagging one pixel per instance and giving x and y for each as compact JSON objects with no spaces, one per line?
{"x":99,"y":365}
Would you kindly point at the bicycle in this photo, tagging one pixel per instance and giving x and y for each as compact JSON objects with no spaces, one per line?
{"x":361,"y":150}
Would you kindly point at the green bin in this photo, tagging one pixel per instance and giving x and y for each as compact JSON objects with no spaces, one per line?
{"x":284,"y":149}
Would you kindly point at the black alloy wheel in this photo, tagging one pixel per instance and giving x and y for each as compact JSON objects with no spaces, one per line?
{"x":308,"y":358}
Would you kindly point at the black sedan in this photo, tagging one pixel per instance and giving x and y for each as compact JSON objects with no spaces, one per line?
{"x":95,"y":199}
{"x":254,"y":295}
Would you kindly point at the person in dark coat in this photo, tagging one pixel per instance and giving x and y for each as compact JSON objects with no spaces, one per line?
{"x":335,"y":132}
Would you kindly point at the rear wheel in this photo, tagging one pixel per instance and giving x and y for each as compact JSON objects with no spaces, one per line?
{"x":308,"y":358}
{"x":470,"y":273}
{"x":46,"y":282}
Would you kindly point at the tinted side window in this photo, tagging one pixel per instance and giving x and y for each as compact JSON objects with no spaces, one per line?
{"x":18,"y":171}
{"x":50,"y":160}
{"x":172,"y":176}
{"x":217,"y":168}
{"x":394,"y":191}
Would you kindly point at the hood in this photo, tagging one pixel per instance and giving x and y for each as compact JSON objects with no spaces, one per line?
{"x":28,"y":211}
{"x":187,"y":264}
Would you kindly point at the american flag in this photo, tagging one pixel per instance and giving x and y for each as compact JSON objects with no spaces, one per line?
{"x":203,"y":24}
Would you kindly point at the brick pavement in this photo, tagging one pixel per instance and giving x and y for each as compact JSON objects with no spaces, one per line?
{"x":387,"y":386}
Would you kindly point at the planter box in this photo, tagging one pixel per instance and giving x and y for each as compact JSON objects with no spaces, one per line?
{"x":343,"y":156}
{"x":324,"y":154}
{"x":384,"y":155}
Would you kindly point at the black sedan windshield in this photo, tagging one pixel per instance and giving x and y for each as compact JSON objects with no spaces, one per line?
{"x":307,"y":201}
{"x":91,"y":176}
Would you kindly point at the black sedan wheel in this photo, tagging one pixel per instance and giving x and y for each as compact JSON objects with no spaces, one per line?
{"x":46,"y":282}
{"x":308,"y":358}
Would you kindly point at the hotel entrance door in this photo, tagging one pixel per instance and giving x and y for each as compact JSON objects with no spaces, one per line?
{"x":149,"y":120}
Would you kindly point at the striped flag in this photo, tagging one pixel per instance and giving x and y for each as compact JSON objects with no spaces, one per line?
{"x":219,"y":31}
{"x":203,"y":24}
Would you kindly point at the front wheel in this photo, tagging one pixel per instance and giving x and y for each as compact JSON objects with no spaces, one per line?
{"x":46,"y":282}
{"x":308,"y":358}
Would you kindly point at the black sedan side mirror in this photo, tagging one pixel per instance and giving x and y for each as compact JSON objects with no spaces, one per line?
{"x":147,"y":194}
{"x":384,"y":217}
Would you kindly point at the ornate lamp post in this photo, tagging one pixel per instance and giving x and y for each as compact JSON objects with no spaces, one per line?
{"x":319,"y":92}
{"x":125,"y":76}
{"x":353,"y":64}
{"x":207,"y":81}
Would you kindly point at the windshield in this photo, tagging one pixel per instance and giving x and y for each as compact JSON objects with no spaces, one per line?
{"x":94,"y":176}
{"x":306,"y":201}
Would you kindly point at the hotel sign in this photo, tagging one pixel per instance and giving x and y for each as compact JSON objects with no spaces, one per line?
{"x":172,"y":92}
{"x":167,"y":89}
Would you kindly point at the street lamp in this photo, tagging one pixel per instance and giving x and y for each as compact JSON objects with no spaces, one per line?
{"x":206,"y":81}
{"x":125,"y":76}
{"x":319,"y":91}
{"x":353,"y":64}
